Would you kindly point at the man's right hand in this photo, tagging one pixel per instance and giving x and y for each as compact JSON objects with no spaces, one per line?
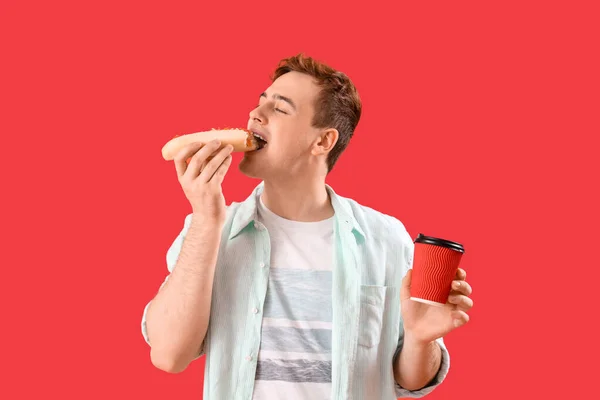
{"x":202,"y":177}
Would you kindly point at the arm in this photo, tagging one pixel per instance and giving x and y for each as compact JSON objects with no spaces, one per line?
{"x":417,"y":364}
{"x":422,"y":361}
{"x":177,"y":318}
{"x":410,"y":362}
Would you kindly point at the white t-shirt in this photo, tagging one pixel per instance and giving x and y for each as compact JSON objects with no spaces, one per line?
{"x":294,"y":360}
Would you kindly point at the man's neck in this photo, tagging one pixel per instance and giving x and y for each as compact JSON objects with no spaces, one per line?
{"x":304,"y":200}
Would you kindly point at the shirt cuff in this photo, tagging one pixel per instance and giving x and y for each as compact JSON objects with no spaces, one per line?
{"x":435,"y":382}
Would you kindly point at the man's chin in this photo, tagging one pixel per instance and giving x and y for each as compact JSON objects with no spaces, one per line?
{"x":248,"y":168}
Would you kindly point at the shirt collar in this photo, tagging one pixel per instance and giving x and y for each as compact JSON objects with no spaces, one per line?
{"x":246,"y":214}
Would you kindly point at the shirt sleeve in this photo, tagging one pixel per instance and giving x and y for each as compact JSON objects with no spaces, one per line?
{"x":445,"y":362}
{"x":172,"y":257}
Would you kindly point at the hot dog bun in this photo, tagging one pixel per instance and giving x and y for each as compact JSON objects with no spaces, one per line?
{"x":240,"y":139}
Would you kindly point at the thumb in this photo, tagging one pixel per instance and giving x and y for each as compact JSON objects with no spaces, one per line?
{"x":405,"y":288}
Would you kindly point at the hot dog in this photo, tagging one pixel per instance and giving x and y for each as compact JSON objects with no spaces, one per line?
{"x":241,"y":140}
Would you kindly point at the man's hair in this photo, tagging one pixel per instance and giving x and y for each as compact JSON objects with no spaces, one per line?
{"x":337,"y":105}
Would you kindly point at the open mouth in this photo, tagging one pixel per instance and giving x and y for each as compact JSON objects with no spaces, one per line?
{"x":261,"y":142}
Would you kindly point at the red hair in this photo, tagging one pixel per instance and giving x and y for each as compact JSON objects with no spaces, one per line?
{"x":337,"y":106}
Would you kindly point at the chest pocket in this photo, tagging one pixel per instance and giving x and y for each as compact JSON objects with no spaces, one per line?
{"x":372,"y":306}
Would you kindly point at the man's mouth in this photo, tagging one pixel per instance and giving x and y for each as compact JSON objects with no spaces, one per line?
{"x":261,"y":142}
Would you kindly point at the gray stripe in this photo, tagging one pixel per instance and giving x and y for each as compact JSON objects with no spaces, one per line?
{"x":296,"y":340}
{"x":300,"y":295}
{"x":294,"y":371}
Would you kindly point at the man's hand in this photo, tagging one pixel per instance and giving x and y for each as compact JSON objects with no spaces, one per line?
{"x":201,"y":170}
{"x":420,"y":358}
{"x":424,"y":323}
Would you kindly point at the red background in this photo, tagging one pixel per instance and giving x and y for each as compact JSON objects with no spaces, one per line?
{"x":480,"y":125}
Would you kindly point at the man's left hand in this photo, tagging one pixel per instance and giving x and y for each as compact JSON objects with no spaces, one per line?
{"x":424,"y":323}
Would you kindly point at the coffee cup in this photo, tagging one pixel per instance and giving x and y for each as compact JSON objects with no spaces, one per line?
{"x":435,"y":263}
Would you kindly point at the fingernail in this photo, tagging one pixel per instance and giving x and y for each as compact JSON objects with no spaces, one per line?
{"x":457,"y":323}
{"x":456,"y":285}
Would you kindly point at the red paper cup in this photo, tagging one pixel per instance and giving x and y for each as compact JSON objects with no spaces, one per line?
{"x":435,"y":263}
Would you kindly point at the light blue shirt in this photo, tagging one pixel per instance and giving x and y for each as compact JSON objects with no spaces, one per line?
{"x":373,"y":252}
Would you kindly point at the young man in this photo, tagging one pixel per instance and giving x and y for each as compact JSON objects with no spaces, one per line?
{"x":296,"y":292}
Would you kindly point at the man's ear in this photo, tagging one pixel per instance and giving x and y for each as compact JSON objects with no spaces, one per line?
{"x":325,"y":141}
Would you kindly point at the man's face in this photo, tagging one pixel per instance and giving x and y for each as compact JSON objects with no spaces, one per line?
{"x":283,"y":117}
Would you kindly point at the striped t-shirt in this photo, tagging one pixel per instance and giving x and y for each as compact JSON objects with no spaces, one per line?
{"x":294,"y":361}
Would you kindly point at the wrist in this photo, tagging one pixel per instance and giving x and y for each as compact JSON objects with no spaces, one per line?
{"x":201,"y":221}
{"x":413,"y":342}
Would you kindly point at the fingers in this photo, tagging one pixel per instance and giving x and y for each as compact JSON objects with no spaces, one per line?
{"x":462,"y":287}
{"x":194,"y":168}
{"x":214,"y":164}
{"x":459,"y":318}
{"x":461,"y":274}
{"x":219,"y":174}
{"x":206,"y":162}
{"x":190,"y":159}
{"x":185,"y":154}
{"x":461,"y":302}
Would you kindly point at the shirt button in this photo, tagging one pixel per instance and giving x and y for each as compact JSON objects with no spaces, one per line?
{"x":262,"y":264}
{"x":255,"y":310}
{"x":258,"y":226}
{"x":248,"y":358}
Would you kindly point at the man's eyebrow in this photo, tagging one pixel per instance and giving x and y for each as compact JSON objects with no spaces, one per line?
{"x":282,"y":98}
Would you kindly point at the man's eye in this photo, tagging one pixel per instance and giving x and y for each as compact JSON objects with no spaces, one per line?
{"x":280,"y":110}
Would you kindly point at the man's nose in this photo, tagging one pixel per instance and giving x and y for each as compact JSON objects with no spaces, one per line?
{"x":257,"y":115}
